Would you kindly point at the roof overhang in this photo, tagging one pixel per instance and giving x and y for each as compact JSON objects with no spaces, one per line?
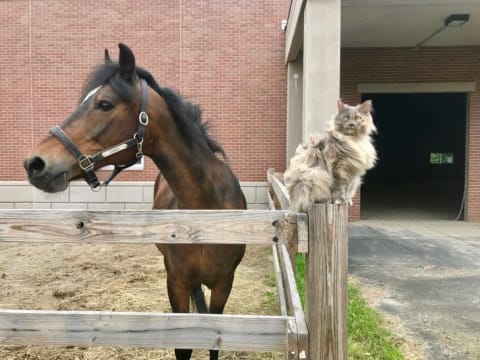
{"x":393,"y":23}
{"x":406,"y":23}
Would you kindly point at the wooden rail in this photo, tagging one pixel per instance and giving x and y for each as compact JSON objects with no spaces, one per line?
{"x":153,"y":330}
{"x":155,"y":226}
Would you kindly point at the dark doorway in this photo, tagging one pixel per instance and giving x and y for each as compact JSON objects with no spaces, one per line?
{"x":421,"y":148}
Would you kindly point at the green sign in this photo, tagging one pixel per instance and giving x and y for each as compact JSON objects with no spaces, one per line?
{"x":441,"y":158}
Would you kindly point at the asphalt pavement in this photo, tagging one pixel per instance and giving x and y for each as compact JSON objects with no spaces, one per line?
{"x":428,"y":277}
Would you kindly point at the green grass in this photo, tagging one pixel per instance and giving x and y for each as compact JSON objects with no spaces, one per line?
{"x":367,"y":338}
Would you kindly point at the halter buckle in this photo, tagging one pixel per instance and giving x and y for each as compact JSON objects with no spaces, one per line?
{"x":139,"y":148}
{"x":85,"y":163}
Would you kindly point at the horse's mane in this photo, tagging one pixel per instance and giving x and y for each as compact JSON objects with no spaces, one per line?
{"x":187,"y":115}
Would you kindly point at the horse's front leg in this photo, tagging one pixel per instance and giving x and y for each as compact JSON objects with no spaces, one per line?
{"x":179,"y":296}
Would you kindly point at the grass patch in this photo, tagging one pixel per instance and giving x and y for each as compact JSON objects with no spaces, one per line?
{"x":367,"y":338}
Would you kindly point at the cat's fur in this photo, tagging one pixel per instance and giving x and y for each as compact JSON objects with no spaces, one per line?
{"x":307,"y":178}
{"x":329,"y":168}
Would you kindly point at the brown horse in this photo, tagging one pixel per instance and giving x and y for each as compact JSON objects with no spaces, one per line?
{"x":123,"y":115}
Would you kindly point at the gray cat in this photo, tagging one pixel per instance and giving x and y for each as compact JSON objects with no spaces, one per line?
{"x":329,"y":168}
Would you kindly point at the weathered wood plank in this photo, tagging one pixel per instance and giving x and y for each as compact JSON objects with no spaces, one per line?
{"x":302,"y":233}
{"x":271,"y":202}
{"x":298,"y":340}
{"x":296,"y":233}
{"x":279,"y":281}
{"x":292,"y":236}
{"x":156,"y":330}
{"x":299,"y":240}
{"x":327,"y":281}
{"x":280,"y":189}
{"x":155,"y":226}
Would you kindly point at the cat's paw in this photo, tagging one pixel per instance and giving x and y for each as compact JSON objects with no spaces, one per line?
{"x":315,"y":140}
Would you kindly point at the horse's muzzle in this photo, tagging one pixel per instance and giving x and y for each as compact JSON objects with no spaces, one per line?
{"x":49,"y":179}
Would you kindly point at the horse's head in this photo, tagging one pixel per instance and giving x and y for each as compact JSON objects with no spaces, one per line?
{"x":105,"y":128}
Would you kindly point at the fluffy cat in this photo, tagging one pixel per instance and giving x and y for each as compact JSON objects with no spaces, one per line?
{"x":329,"y":168}
{"x":307,"y":178}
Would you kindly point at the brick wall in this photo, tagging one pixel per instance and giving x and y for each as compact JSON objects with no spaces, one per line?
{"x":225,"y":55}
{"x":425,"y":65}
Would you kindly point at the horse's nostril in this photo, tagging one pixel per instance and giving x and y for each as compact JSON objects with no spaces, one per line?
{"x":34,"y":165}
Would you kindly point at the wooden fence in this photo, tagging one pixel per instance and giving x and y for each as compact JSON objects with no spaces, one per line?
{"x":319,"y":335}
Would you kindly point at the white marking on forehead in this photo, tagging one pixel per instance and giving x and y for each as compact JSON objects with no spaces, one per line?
{"x":90,"y":94}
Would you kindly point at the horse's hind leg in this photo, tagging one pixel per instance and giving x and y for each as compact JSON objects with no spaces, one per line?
{"x":218,"y":299}
{"x":198,"y":299}
{"x":183,"y":354}
{"x":179,"y":298}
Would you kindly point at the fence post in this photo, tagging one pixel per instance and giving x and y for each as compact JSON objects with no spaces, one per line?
{"x":326,"y":299}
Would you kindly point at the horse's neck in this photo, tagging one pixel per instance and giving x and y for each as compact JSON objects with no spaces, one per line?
{"x":193,"y":172}
{"x":190,"y":177}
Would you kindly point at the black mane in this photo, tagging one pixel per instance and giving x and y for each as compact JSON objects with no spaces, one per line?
{"x":188,"y":116}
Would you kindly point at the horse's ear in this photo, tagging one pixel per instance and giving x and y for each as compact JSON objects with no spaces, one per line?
{"x":127,"y":62}
{"x":108,"y":59}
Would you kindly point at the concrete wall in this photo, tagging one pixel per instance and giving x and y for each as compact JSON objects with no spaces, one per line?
{"x":119,"y":195}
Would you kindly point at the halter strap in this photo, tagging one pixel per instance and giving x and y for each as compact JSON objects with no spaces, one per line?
{"x":87,"y":162}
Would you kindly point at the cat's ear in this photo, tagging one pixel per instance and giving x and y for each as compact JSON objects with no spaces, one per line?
{"x":366,"y":106}
{"x":340,"y":105}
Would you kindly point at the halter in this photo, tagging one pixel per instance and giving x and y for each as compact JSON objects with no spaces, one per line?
{"x":87,"y":162}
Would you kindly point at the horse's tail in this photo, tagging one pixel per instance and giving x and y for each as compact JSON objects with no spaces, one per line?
{"x":198,"y":299}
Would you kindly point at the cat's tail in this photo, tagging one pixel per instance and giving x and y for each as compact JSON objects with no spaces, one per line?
{"x":307,"y":185}
{"x":310,"y":153}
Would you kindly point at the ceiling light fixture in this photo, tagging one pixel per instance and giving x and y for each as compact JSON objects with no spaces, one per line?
{"x":453,"y":20}
{"x":457,"y":19}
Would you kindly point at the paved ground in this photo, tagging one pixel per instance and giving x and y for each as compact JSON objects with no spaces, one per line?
{"x":427,"y":275}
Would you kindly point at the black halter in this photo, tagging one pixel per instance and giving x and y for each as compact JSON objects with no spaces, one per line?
{"x":87,"y":162}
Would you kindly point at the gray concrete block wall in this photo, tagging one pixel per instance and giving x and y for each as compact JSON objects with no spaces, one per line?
{"x":117,"y":196}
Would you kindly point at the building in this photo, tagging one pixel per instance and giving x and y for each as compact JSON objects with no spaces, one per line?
{"x":262,"y":86}
{"x":420,"y":66}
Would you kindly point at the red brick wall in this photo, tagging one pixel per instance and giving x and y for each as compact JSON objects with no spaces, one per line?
{"x":425,"y":65}
{"x":225,"y":55}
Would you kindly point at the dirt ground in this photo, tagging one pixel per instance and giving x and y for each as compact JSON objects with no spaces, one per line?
{"x":116,"y":278}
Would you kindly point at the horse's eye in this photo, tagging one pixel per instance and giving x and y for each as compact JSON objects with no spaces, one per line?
{"x":104,"y":105}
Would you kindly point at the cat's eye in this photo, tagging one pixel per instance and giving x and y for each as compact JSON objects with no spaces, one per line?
{"x":104,"y":105}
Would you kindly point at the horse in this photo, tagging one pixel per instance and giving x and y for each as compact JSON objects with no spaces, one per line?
{"x":123,"y":115}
